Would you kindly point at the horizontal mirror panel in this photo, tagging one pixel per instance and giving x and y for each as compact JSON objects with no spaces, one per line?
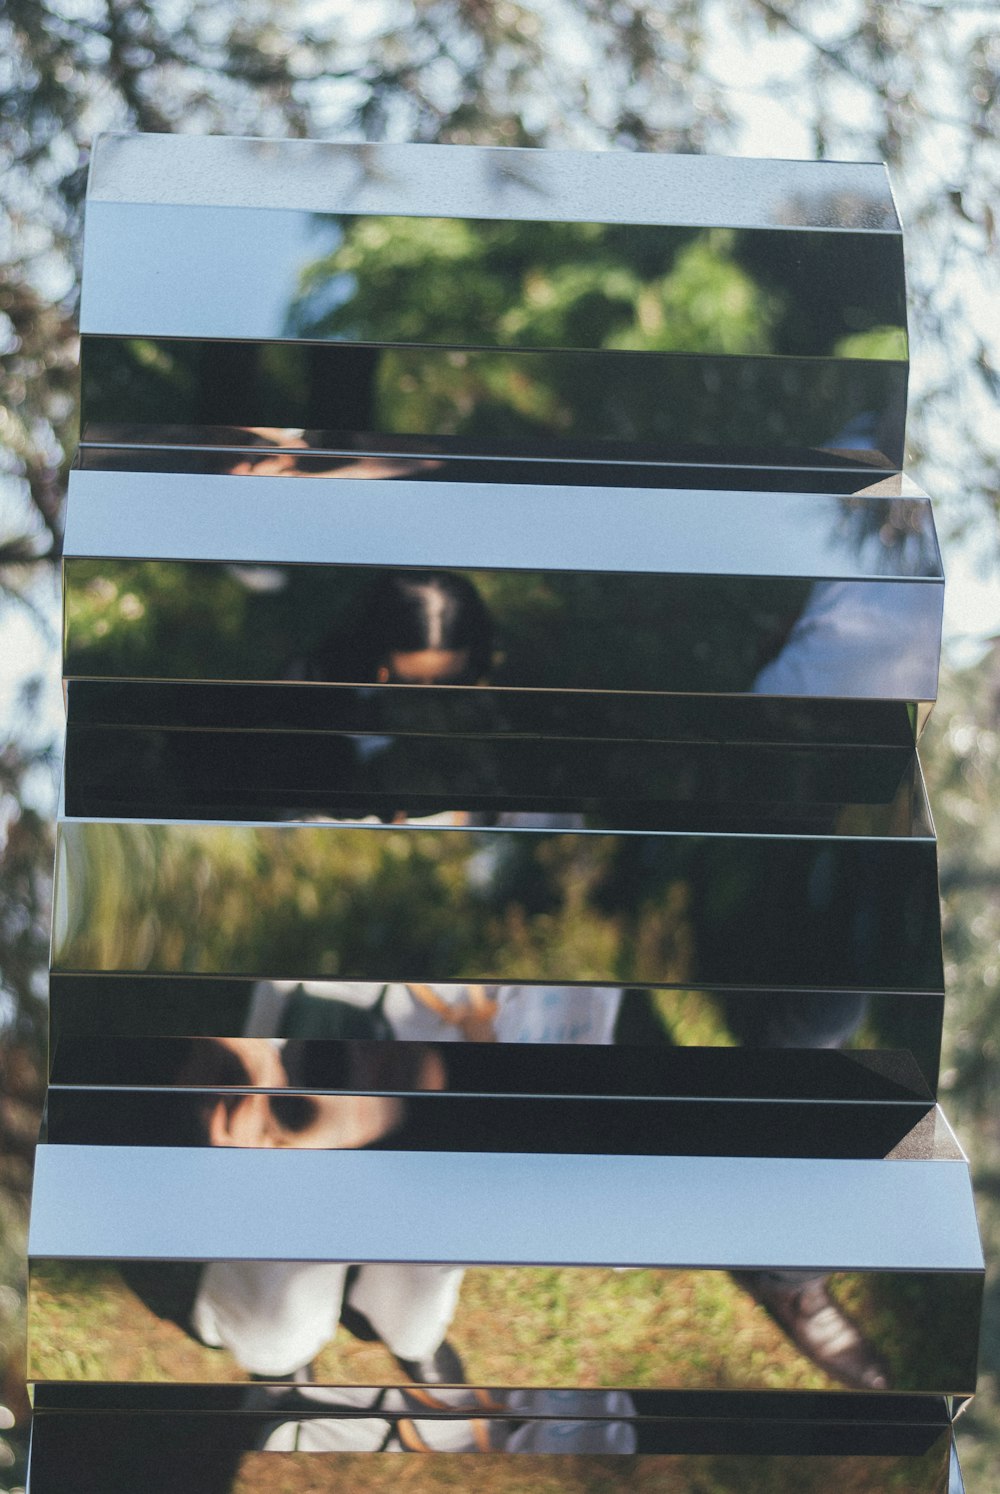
{"x":485,"y":712}
{"x":253,"y":774}
{"x":288,"y":453}
{"x":525,"y":1327}
{"x":684,"y":407}
{"x":293,"y":451}
{"x":200,"y":1114}
{"x":137,"y":1030}
{"x":468,"y":1208}
{"x":517,"y":1040}
{"x":487,"y":182}
{"x":497,"y":905}
{"x":542,"y":630}
{"x":891,"y":1422}
{"x":177,"y":270}
{"x":500,"y":526}
{"x":72,"y":1454}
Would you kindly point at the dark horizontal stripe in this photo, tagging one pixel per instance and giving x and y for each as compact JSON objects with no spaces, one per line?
{"x":450,"y":1123}
{"x":252,"y":452}
{"x":483,"y":711}
{"x":487,"y":282}
{"x":885,"y":1414}
{"x":234,"y":774}
{"x":537,"y":1070}
{"x":139,"y":1030}
{"x":597,"y":405}
{"x":115,"y":1453}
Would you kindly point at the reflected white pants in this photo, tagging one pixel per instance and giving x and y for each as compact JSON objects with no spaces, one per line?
{"x":276,"y":1316}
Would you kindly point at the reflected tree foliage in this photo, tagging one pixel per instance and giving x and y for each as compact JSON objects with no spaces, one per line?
{"x":403,"y":903}
{"x":610,"y":402}
{"x":552,"y":630}
{"x":488,"y":330}
{"x":587,"y":285}
{"x":593,"y":285}
{"x":317,"y":895}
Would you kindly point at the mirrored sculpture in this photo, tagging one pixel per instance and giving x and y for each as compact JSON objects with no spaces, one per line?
{"x":496,"y":969}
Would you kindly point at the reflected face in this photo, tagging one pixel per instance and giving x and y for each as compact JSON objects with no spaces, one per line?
{"x":336,"y":1121}
{"x":556,"y":630}
{"x":426,"y":666}
{"x":269,"y":1120}
{"x":330,"y":1121}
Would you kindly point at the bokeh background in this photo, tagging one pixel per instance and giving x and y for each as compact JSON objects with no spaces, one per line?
{"x":912,"y":82}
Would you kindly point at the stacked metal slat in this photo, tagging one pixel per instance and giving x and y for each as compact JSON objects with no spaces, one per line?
{"x":496,"y":974}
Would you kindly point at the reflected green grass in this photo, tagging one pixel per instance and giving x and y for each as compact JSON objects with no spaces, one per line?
{"x":541,"y":1326}
{"x":304,"y":1473}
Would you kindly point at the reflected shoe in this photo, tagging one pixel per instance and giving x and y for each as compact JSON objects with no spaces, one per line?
{"x":819,"y":1328}
{"x":443,"y":1367}
{"x":357,"y":1324}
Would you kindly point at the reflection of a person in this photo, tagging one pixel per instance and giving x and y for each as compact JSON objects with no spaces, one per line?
{"x":406,"y":1307}
{"x":417,"y":1014}
{"x":276,"y":1316}
{"x":432,"y":628}
{"x":413,"y":628}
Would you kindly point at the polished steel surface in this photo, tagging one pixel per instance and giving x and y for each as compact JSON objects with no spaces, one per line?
{"x":893,"y":1420}
{"x":688,"y":408}
{"x":478,"y":1208}
{"x":136,"y":1030}
{"x":525,"y":1328}
{"x":956,"y":1483}
{"x":114,"y":1454}
{"x":197,"y":1112}
{"x":487,"y":182}
{"x":551,"y":630}
{"x":171,"y":270}
{"x":229,"y":452}
{"x":496,"y":943}
{"x":499,"y":526}
{"x":284,"y":453}
{"x":873,"y":726}
{"x":670,"y":908}
{"x":232,"y":774}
